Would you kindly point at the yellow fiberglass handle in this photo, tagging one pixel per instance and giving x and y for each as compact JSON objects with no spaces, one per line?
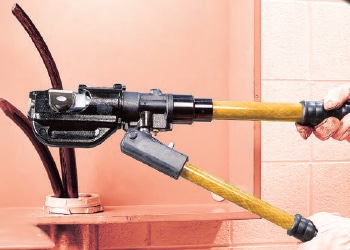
{"x":259,"y":111}
{"x":297,"y":226}
{"x":308,"y":113}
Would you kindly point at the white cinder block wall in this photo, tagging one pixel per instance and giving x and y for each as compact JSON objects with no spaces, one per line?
{"x":305,"y":51}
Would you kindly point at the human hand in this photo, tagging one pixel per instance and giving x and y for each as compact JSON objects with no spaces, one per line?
{"x":331,"y":127}
{"x":333,"y":233}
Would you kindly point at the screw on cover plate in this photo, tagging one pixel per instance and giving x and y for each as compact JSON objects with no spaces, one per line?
{"x":133,"y":135}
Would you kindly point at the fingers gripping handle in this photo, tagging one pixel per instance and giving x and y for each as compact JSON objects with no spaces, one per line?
{"x":314,"y":112}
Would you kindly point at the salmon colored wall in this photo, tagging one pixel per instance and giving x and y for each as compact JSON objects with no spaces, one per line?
{"x":183,"y":47}
{"x":179,"y":47}
{"x":304,"y":52}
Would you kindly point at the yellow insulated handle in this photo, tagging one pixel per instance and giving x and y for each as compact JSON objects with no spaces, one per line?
{"x":257,"y":111}
{"x":297,"y":226}
{"x":143,"y":147}
{"x":237,"y":196}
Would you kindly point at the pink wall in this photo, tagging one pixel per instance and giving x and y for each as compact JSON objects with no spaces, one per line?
{"x":144,"y":45}
{"x":178,"y":46}
{"x":304,"y":52}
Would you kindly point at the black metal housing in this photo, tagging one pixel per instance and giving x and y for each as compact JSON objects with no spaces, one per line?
{"x":86,"y":118}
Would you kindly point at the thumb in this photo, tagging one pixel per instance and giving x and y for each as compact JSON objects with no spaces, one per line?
{"x":337,"y":96}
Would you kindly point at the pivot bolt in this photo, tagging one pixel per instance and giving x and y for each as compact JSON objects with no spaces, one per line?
{"x":133,"y":135}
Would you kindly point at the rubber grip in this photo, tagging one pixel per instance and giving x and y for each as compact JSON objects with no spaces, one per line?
{"x":314,"y":112}
{"x":302,"y":229}
{"x":143,"y":147}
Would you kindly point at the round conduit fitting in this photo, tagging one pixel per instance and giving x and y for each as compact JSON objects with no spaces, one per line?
{"x":84,"y":204}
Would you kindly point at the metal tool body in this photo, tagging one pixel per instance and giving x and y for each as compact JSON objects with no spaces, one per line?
{"x":87,"y":117}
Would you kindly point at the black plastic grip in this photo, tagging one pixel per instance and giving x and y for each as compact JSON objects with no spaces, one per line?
{"x":302,"y":229}
{"x":314,"y":112}
{"x":143,"y":147}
